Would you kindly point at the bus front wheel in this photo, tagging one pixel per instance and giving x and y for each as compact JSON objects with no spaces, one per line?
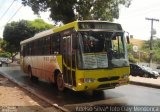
{"x":60,"y":82}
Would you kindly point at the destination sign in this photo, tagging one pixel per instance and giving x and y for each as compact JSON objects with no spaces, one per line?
{"x":99,"y":25}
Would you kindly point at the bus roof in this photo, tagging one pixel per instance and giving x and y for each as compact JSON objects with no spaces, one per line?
{"x":51,"y":31}
{"x":61,"y":28}
{"x":38,"y":35}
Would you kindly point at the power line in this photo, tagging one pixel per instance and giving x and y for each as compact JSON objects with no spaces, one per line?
{"x":11,"y":17}
{"x":14,"y":14}
{"x":7,"y":10}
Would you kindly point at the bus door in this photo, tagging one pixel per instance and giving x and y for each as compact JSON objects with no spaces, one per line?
{"x":68,"y":61}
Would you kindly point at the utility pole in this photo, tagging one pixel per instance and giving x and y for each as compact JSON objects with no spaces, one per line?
{"x":151,"y":39}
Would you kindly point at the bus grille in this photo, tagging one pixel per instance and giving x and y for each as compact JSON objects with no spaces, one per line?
{"x":111,"y":85}
{"x":108,"y":79}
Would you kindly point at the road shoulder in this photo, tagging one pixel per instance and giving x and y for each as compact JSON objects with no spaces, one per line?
{"x":148,"y":82}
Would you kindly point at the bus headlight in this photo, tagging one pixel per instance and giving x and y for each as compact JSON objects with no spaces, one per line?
{"x":87,"y":80}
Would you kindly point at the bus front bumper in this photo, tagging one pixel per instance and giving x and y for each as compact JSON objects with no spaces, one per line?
{"x":100,"y":85}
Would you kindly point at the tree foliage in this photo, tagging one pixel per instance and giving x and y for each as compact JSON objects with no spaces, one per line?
{"x":39,"y":25}
{"x":5,"y":54}
{"x":131,"y":54}
{"x":156,"y":49}
{"x":2,"y":52}
{"x":15,"y":32}
{"x":69,"y":10}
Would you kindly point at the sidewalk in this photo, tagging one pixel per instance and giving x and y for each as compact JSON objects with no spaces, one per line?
{"x":16,"y":99}
{"x":149,"y":82}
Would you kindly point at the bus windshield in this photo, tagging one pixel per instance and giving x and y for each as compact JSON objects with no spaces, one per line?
{"x":101,"y":49}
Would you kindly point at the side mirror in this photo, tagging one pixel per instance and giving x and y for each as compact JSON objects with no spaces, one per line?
{"x":128,"y":40}
{"x":128,"y":36}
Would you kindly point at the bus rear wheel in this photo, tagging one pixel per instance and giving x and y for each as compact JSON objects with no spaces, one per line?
{"x":60,"y":82}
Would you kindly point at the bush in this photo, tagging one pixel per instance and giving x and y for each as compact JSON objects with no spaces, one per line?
{"x":132,"y":59}
{"x":5,"y":54}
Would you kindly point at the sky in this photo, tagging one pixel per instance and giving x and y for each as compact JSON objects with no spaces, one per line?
{"x":132,"y":19}
{"x":23,"y":13}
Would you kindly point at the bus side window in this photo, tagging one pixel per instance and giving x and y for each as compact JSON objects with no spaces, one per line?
{"x":55,"y":44}
{"x":47,"y":45}
{"x":40,"y":46}
{"x":30,"y":48}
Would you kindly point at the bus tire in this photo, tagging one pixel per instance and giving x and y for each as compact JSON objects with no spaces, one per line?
{"x":56,"y":72}
{"x":60,"y":82}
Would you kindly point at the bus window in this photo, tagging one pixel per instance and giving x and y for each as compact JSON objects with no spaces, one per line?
{"x":46,"y":45}
{"x":92,"y":43}
{"x":29,"y":49}
{"x":98,"y":49}
{"x":55,"y":44}
{"x":74,"y":49}
{"x":118,"y":47}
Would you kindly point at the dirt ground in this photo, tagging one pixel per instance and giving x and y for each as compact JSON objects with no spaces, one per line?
{"x":15,"y":99}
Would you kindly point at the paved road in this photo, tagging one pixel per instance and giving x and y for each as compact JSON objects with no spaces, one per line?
{"x":124,"y":95}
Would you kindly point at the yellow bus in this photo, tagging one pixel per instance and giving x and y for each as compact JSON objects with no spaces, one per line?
{"x":81,"y":55}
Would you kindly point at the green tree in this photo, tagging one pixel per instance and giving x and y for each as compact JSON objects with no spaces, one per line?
{"x":69,"y":10}
{"x":15,"y":32}
{"x":130,"y":48}
{"x":131,"y":55}
{"x":39,"y":25}
{"x":1,"y":41}
{"x":2,"y":52}
{"x":156,"y":50}
{"x":5,"y":54}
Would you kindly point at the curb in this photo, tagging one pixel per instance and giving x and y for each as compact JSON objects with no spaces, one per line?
{"x":145,"y":84}
{"x":33,"y":92}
